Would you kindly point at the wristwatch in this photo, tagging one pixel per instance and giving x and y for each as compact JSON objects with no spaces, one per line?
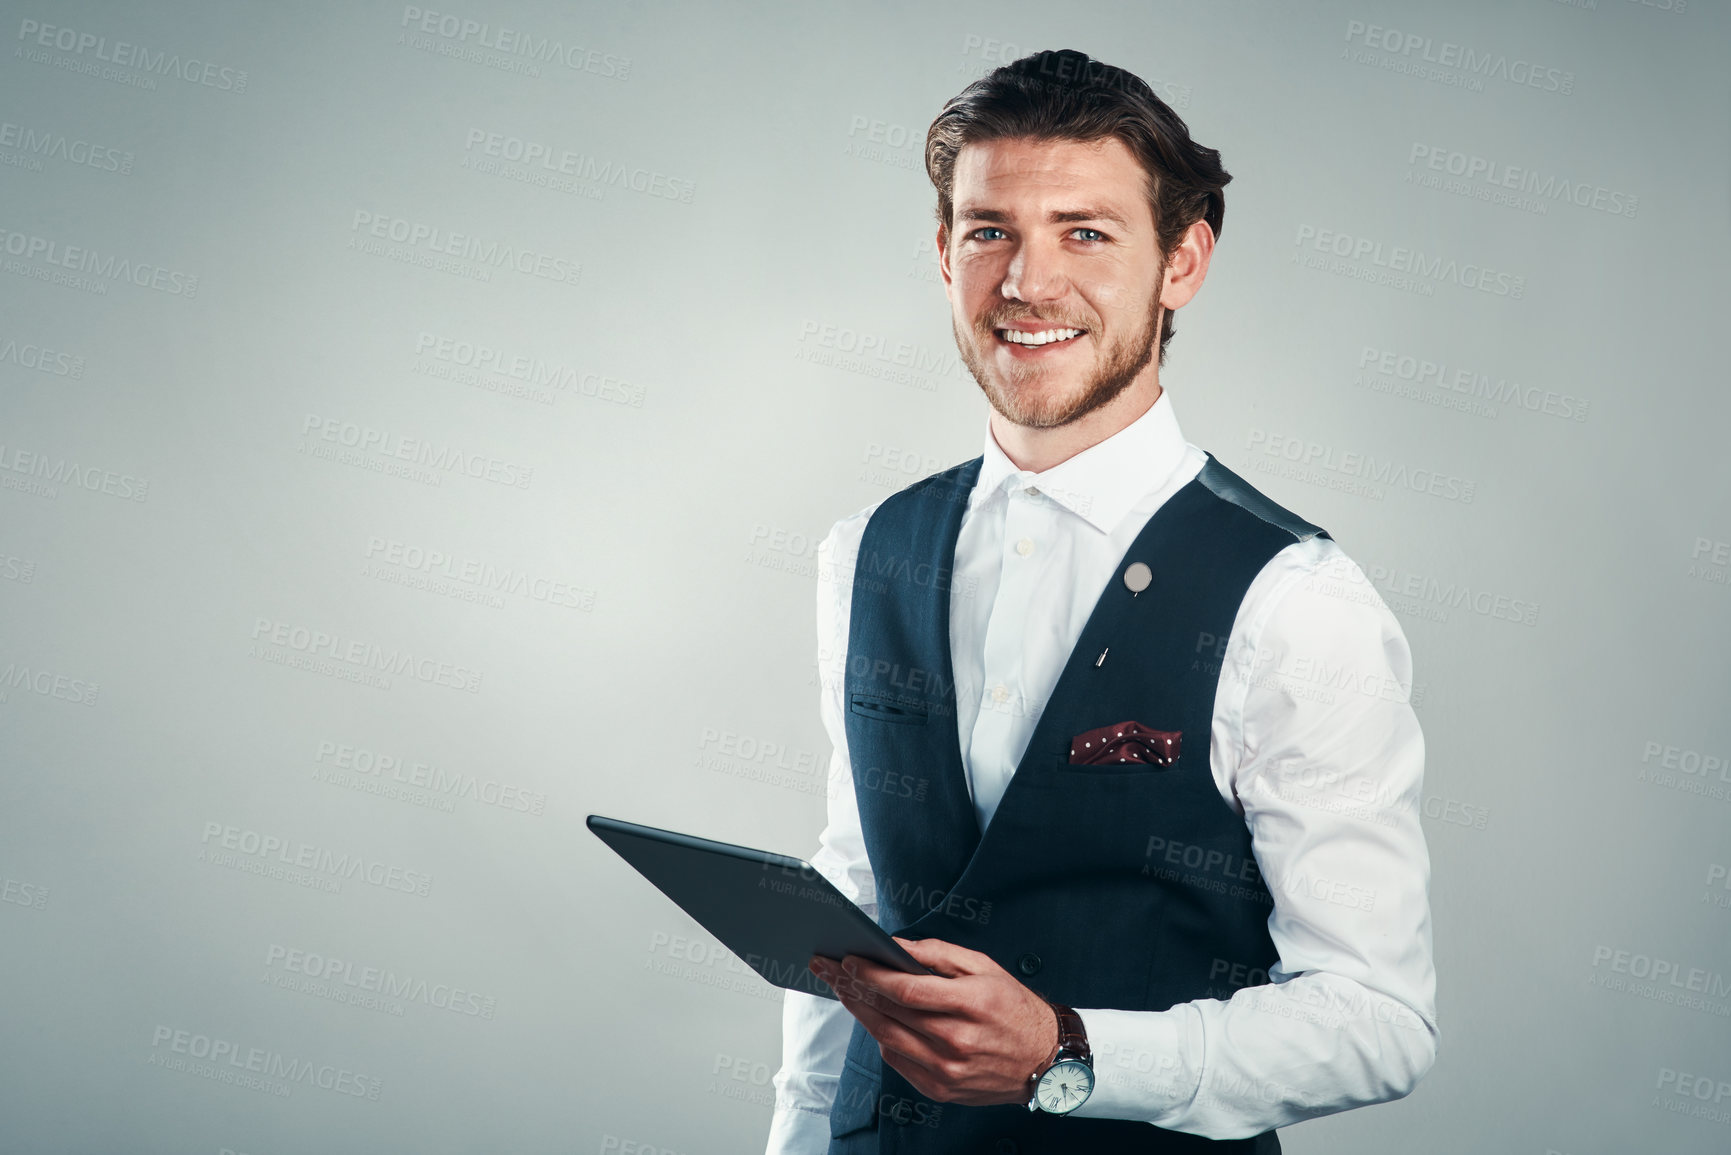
{"x":1067,"y":1079}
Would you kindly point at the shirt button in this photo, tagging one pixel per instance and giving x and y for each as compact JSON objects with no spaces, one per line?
{"x":1031,"y":490}
{"x":1000,"y":693}
{"x":1025,"y":546}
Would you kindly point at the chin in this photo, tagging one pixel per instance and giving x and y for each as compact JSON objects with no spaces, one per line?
{"x":1036,"y":411}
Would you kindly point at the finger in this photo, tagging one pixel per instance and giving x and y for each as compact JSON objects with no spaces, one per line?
{"x":933,"y":1086}
{"x":856,"y":967}
{"x":895,"y":1035}
{"x":862,"y":985}
{"x":935,"y":1033}
{"x":843,"y":983}
{"x":856,"y":990}
{"x":931,"y":993}
{"x":947,"y":958}
{"x":860,"y":1008}
{"x":923,"y":1079}
{"x":941,"y":1086}
{"x":868,"y":973}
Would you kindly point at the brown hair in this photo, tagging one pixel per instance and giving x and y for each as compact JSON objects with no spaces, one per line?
{"x":1066,"y":95}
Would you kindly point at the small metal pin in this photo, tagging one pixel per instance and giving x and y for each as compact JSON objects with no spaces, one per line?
{"x":1101,"y":658}
{"x":1138,"y":577}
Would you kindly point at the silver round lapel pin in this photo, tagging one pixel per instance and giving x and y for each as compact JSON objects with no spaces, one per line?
{"x":1137,"y":577}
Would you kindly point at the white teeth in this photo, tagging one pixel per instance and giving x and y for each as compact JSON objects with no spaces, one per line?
{"x":1044,"y":337}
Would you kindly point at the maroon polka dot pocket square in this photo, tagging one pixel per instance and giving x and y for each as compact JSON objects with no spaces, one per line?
{"x":1125,"y":742}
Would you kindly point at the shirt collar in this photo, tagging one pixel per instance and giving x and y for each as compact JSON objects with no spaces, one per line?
{"x":1103,"y":482}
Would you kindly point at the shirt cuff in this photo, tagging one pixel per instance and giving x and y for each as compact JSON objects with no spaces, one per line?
{"x":1147,"y":1064}
{"x":799,"y":1130}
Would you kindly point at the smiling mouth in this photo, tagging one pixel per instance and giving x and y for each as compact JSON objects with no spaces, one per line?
{"x":1057,"y":336}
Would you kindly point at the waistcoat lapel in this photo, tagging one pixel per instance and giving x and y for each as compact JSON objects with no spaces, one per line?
{"x":900,"y":689}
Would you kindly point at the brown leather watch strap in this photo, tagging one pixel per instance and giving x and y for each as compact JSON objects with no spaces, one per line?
{"x":1072,"y":1040}
{"x":1072,"y":1043}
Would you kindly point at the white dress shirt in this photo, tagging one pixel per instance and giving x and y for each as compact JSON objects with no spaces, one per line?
{"x":1313,"y":741}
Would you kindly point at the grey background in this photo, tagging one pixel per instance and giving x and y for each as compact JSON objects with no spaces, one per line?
{"x":709,"y":429}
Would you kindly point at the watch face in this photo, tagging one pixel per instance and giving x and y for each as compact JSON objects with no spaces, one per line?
{"x":1064,"y":1086}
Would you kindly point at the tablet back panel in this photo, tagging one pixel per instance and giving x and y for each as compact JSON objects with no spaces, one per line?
{"x":771,"y":910}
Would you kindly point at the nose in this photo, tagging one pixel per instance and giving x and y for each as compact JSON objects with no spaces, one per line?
{"x":1035,"y":274}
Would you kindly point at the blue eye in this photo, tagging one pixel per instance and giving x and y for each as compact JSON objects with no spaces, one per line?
{"x":1098,"y":235}
{"x":989,"y":229}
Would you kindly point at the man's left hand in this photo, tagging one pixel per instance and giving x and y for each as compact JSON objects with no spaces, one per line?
{"x":971,"y":1033}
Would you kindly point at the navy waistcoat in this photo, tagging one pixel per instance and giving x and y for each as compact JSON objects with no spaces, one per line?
{"x":1123,"y":886}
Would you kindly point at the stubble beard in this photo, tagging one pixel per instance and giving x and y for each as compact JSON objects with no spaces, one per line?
{"x":1016,"y":398}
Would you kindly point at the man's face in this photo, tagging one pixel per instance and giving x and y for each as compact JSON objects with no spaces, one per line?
{"x":1052,"y":270}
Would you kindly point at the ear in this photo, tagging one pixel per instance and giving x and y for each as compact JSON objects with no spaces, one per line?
{"x":944,"y":257}
{"x":1187,"y":267}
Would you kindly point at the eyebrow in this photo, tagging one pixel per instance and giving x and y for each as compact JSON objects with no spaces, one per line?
{"x":1057,"y":217}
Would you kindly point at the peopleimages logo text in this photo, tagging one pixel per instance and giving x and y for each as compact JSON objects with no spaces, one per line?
{"x":379,"y":980}
{"x":1463,"y":57}
{"x":1362,"y":466}
{"x":365,"y":655}
{"x":40,"y":143}
{"x":227,"y":1061}
{"x":106,"y":265}
{"x":515,"y":42}
{"x":1415,"y":262}
{"x":1543,"y":186}
{"x":34,"y":33}
{"x":339,"y":865}
{"x":419,"y":235}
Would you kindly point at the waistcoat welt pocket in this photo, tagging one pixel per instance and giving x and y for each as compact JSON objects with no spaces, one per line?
{"x":1071,"y":770}
{"x":885,"y":710}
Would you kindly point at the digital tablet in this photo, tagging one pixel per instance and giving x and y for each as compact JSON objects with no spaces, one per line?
{"x":771,"y":910}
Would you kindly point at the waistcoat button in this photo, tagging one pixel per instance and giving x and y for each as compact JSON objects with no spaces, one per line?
{"x":1006,"y":1147}
{"x":1029,"y":964}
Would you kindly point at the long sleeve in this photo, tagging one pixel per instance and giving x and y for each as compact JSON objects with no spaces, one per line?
{"x":815,"y":1031}
{"x":1316,"y":743}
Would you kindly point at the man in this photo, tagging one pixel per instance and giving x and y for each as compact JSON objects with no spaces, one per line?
{"x":1123,"y":750}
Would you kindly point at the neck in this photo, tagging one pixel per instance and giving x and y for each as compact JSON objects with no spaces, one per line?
{"x":1037,"y":450}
